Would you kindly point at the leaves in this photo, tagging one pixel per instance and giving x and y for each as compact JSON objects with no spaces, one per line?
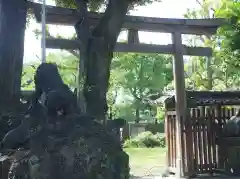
{"x":224,"y":67}
{"x":138,"y":76}
{"x":144,"y":74}
{"x":230,"y":10}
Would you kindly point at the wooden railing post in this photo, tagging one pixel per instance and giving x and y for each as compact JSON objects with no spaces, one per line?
{"x":180,"y":98}
{"x":133,"y":37}
{"x":167,"y":138}
{"x":220,"y":148}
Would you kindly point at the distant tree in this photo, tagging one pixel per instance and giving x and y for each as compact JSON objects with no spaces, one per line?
{"x":141,"y":76}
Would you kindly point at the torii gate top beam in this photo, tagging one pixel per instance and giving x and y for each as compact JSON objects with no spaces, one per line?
{"x":67,"y":16}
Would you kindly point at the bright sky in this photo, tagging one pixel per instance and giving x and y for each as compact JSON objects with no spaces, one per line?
{"x":165,"y":9}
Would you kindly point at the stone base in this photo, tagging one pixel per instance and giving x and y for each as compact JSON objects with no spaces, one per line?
{"x":75,"y":147}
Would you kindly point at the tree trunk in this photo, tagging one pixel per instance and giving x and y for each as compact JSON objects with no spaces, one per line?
{"x":97,"y":76}
{"x":96,"y":49}
{"x":12,"y":30}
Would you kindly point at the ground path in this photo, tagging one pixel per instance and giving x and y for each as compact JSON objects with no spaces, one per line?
{"x":173,"y":177}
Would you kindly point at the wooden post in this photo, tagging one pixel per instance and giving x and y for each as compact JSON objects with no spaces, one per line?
{"x":133,"y":36}
{"x":12,"y":31}
{"x":80,"y":84}
{"x":220,"y":148}
{"x":166,"y":124}
{"x":180,"y":98}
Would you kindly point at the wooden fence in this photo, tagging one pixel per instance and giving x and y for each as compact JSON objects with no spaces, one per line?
{"x":200,"y":153}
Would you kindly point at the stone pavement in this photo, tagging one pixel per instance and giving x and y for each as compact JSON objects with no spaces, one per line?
{"x":173,"y":177}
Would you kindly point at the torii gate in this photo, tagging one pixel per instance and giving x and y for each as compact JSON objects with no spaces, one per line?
{"x":177,"y":27}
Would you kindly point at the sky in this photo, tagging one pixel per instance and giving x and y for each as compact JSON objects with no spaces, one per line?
{"x":164,"y":9}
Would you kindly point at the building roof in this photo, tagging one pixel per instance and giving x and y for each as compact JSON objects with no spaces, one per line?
{"x":201,"y":98}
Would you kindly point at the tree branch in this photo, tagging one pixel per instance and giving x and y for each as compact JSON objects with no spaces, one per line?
{"x":82,"y":26}
{"x":115,"y":98}
{"x":82,"y":8}
{"x":110,"y":24}
{"x":199,"y":3}
{"x":140,"y":76}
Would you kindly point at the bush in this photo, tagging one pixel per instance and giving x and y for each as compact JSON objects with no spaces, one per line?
{"x":146,"y":139}
{"x":161,"y":138}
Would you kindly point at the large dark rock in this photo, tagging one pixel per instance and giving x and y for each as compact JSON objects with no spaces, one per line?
{"x":230,"y":145}
{"x":8,"y":122}
{"x":71,"y":147}
{"x":11,"y":119}
{"x":232,"y":127}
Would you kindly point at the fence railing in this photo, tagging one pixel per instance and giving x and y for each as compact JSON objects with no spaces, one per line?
{"x":200,"y":153}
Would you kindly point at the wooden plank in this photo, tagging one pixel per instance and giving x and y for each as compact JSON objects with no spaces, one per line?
{"x":189,"y":144}
{"x":210,"y":137}
{"x":133,"y":37}
{"x":213,"y":136}
{"x":134,"y":48}
{"x":204,"y":138}
{"x":195,"y":142}
{"x":221,"y":151}
{"x":172,"y":113}
{"x":172,"y":135}
{"x":167,"y":138}
{"x":180,"y":96}
{"x":199,"y":140}
{"x":66,"y":16}
{"x":174,"y":141}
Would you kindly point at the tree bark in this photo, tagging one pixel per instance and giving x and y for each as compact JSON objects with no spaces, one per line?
{"x":12,"y":30}
{"x":97,"y":47}
{"x":209,"y":73}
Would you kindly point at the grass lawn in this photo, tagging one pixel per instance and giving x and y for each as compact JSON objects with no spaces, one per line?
{"x":146,"y":161}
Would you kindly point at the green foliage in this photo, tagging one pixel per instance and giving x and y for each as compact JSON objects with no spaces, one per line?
{"x":68,"y":67}
{"x":229,"y":39}
{"x":144,"y":74}
{"x":230,"y":10}
{"x":146,"y":139}
{"x":222,"y":70}
{"x":199,"y":69}
{"x":160,"y":113}
{"x":157,"y":72}
{"x":113,"y":90}
{"x":138,"y":76}
{"x":126,"y":111}
{"x":27,"y":76}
